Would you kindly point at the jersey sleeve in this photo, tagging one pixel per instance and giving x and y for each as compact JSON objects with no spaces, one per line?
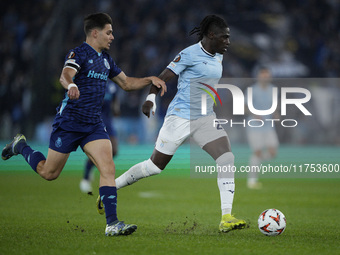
{"x":114,"y":69}
{"x":181,"y":62}
{"x":74,"y":59}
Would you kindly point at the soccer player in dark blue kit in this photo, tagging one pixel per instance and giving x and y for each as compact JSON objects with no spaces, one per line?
{"x":110,"y":107}
{"x":78,"y":121}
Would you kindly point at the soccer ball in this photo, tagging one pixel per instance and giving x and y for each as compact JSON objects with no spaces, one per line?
{"x":271,"y":222}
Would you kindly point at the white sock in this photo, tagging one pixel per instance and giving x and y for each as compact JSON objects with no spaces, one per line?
{"x":225,"y":182}
{"x":141,"y":170}
{"x":252,"y":175}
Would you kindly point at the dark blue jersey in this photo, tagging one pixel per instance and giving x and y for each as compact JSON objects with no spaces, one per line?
{"x":93,"y":71}
{"x":110,"y":94}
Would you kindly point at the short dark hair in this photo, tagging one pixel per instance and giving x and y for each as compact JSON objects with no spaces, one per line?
{"x":96,"y":20}
{"x":207,"y":24}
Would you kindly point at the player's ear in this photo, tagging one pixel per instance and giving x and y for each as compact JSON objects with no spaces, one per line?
{"x":211,"y":34}
{"x":94,"y":33}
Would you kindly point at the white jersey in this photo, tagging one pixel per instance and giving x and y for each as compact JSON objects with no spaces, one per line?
{"x":194,"y":66}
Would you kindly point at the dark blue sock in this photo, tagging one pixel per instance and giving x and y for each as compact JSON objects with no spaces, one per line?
{"x":20,"y":146}
{"x":88,"y":168}
{"x":109,"y":197}
{"x":31,"y":156}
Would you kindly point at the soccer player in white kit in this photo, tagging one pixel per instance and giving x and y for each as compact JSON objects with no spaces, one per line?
{"x":263,"y":140}
{"x":201,"y":62}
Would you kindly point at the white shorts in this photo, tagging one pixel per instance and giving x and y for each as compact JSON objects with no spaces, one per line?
{"x":176,"y":130}
{"x":261,"y":139}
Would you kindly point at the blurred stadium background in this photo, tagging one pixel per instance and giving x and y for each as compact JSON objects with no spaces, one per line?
{"x":295,"y":38}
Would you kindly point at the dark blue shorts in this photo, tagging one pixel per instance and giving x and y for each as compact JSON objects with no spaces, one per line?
{"x":66,"y":138}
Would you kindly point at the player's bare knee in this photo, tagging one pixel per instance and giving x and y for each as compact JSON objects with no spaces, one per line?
{"x":160,"y":160}
{"x":161,"y":165}
{"x":107,"y":172}
{"x":50,"y":176}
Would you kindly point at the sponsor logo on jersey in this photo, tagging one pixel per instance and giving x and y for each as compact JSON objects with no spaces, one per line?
{"x":101,"y":76}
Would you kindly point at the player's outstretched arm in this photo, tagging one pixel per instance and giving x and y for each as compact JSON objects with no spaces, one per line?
{"x":66,"y":80}
{"x":150,"y":102}
{"x":131,"y":83}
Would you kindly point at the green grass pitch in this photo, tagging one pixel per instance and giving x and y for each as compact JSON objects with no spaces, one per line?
{"x":175,"y":214}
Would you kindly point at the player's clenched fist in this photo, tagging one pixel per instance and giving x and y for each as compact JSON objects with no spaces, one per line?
{"x":147,"y":106}
{"x":73,"y":91}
